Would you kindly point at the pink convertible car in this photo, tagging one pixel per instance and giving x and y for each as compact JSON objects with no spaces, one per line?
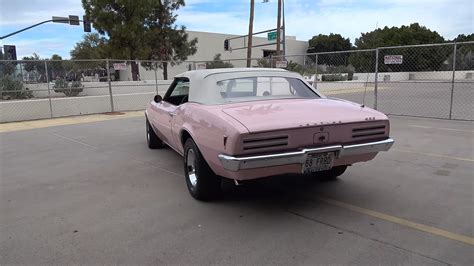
{"x":248,"y":123}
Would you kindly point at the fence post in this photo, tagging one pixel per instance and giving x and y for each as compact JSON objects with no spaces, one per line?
{"x":21,"y":73}
{"x":49,"y":91}
{"x":156,"y":78}
{"x":110,"y":86}
{"x":315,"y":82}
{"x":452,"y":82}
{"x":376,"y":79}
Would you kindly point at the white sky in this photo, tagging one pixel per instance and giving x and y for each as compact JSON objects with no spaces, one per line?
{"x":304,"y":19}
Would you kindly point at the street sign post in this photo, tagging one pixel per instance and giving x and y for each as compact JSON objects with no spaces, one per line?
{"x":272,"y":35}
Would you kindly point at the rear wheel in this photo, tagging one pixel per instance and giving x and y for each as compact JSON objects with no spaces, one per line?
{"x":331,"y":175}
{"x":201,"y":181}
{"x":151,"y":138}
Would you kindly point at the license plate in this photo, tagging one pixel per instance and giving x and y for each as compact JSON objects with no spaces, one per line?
{"x":318,"y":162}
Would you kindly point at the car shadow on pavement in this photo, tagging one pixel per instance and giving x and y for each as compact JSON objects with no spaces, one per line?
{"x":286,"y":189}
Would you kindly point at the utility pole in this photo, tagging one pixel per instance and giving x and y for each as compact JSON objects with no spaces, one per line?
{"x":249,"y":43}
{"x":284,"y":29}
{"x":278,"y":49}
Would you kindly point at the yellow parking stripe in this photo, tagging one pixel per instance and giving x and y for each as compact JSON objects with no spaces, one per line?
{"x":351,"y":90}
{"x":436,"y":155}
{"x":443,"y":128}
{"x":421,"y":227}
{"x":24,"y":125}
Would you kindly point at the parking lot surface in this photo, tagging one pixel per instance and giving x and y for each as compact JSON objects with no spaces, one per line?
{"x":430,"y":99}
{"x":94,"y":193}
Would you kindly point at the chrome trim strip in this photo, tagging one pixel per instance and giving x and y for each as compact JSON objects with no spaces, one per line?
{"x":377,"y":146}
{"x":232,"y":163}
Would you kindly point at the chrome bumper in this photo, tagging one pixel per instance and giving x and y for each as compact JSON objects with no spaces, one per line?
{"x":299,"y":157}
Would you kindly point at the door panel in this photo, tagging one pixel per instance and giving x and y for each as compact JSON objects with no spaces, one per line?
{"x":163,"y":119}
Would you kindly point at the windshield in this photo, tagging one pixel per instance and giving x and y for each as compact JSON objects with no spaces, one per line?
{"x":263,"y":88}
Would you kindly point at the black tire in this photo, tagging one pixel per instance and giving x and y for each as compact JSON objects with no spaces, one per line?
{"x":151,"y":138}
{"x":331,"y":175}
{"x":201,"y":181}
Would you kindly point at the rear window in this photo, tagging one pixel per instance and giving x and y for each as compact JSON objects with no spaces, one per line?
{"x":262,"y":88}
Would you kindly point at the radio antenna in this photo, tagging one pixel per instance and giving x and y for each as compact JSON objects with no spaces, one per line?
{"x":367,"y":79}
{"x":365,"y":90}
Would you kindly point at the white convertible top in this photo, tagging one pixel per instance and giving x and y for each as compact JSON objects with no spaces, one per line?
{"x":203,"y":83}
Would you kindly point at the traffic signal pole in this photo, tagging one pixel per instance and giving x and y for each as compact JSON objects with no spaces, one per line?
{"x":27,"y":28}
{"x":278,"y":48}
{"x":249,"y":44}
{"x":72,"y":20}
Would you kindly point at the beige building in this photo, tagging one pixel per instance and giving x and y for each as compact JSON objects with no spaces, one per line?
{"x":210,"y":44}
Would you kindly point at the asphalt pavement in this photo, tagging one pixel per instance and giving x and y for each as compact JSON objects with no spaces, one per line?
{"x":432,"y":99}
{"x":93,"y":193}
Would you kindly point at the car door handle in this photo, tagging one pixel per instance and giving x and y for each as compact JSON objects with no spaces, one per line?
{"x":172,"y":113}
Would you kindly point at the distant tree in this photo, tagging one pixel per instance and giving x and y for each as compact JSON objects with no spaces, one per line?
{"x":295,"y":67}
{"x":56,"y":65}
{"x":414,"y":59}
{"x":264,"y":62}
{"x":36,"y":66}
{"x":93,"y":46}
{"x":464,"y":53}
{"x":164,"y":41}
{"x":141,"y":29}
{"x":330,"y":43}
{"x":464,"y":38}
{"x":33,"y":63}
{"x":124,"y":23}
{"x":218,"y":63}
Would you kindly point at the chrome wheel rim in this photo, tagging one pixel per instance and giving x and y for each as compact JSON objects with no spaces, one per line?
{"x":191,"y":167}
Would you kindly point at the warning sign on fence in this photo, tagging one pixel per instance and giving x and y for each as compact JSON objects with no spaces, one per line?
{"x":393,"y":59}
{"x":281,"y":64}
{"x":120,"y":66}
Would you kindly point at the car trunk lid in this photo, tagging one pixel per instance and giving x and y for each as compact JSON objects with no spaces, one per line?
{"x":282,"y":114}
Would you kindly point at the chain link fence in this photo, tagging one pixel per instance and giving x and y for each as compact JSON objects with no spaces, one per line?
{"x":434,"y":81}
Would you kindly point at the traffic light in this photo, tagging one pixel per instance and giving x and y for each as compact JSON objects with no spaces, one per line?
{"x":87,"y":24}
{"x":10,"y":52}
{"x":226,"y":45}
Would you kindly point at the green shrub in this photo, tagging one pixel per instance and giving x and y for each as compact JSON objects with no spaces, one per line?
{"x":13,"y":89}
{"x":341,"y":69}
{"x":333,"y":77}
{"x":70,"y":90}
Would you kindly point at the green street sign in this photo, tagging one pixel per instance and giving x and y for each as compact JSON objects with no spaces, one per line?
{"x":272,"y":35}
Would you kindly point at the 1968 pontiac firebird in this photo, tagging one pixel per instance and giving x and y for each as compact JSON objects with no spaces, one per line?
{"x":248,"y":123}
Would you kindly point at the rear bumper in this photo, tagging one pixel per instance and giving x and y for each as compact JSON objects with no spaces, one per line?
{"x":299,"y":157}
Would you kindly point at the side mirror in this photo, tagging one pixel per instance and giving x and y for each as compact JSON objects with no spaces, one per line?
{"x":157,"y":98}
